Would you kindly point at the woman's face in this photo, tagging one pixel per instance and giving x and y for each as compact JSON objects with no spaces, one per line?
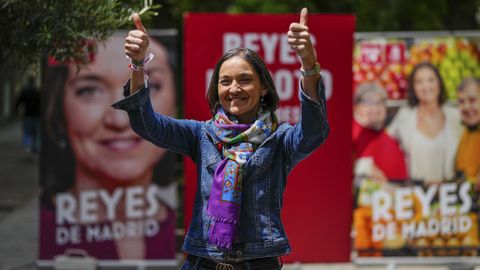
{"x":240,"y":89}
{"x":371,"y":111}
{"x":469,"y":104}
{"x":104,"y":145}
{"x":426,"y":86}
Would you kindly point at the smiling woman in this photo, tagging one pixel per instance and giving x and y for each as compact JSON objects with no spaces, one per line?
{"x":428,"y":130}
{"x":467,"y":162}
{"x":243,"y":153}
{"x":101,"y":137}
{"x":105,"y":189}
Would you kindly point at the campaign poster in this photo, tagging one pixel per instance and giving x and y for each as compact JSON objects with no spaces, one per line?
{"x":317,"y":202}
{"x":416,"y":145}
{"x":104,"y":190}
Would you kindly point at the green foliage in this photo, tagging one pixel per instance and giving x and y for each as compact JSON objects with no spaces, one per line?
{"x":31,"y":29}
{"x":372,"y":15}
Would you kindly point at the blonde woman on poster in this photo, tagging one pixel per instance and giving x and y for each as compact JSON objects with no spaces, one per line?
{"x":104,"y":189}
{"x":428,"y":130}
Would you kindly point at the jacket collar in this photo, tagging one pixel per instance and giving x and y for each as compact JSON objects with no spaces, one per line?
{"x":211,"y":133}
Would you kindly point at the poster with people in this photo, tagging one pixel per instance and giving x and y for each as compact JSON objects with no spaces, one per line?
{"x":104,"y":189}
{"x":416,"y":145}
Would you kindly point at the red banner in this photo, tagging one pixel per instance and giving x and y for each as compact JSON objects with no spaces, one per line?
{"x":318,"y":201}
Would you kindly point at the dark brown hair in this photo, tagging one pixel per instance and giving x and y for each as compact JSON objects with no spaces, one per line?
{"x":271,"y":99}
{"x":412,"y":98}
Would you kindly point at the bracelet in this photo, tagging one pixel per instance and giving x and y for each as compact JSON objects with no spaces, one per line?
{"x":311,"y":72}
{"x":140,"y":65}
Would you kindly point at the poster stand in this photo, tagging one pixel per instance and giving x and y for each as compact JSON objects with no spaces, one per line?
{"x":391,"y":263}
{"x":408,"y":39}
{"x":123,"y":264}
{"x":103,"y":251}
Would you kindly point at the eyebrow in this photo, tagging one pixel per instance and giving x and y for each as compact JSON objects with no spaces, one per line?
{"x":162,"y":70}
{"x":89,"y":77}
{"x":245,"y":73}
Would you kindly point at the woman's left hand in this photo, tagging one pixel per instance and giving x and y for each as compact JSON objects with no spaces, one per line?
{"x":299,"y":41}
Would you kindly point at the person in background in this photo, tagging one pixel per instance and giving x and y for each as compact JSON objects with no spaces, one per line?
{"x":427,"y":130}
{"x":467,"y":163}
{"x":377,"y":155}
{"x":468,"y":156}
{"x":91,"y":152}
{"x":29,"y":99}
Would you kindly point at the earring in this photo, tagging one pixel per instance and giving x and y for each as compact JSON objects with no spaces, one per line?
{"x":261,"y":99}
{"x":62,"y":143}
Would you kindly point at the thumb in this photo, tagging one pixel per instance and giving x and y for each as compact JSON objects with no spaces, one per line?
{"x":304,"y":16}
{"x":138,"y":23}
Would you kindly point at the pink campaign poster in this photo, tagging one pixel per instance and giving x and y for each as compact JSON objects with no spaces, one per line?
{"x":104,"y":190}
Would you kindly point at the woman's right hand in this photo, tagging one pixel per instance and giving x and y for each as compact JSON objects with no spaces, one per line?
{"x":137,"y":41}
{"x":136,"y":45}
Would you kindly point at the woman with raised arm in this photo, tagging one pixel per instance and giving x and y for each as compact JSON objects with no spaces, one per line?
{"x":243,"y":155}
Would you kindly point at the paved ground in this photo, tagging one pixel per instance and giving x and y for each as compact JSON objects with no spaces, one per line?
{"x":19,"y":211}
{"x":18,"y":200}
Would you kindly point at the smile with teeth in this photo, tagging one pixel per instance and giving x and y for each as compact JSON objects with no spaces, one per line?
{"x":236,"y":99}
{"x":121,"y":144}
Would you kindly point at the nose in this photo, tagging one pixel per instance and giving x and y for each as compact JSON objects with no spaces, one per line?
{"x":116,"y":120}
{"x":235,"y":88}
{"x":470,"y":105}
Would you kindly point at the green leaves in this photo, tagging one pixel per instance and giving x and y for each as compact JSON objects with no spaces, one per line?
{"x":30,"y":29}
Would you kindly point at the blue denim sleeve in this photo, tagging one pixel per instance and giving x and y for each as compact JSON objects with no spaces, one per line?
{"x":312,"y":130}
{"x":176,"y":135}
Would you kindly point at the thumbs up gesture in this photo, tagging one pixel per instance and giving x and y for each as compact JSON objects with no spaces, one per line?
{"x":299,"y":41}
{"x":136,"y":42}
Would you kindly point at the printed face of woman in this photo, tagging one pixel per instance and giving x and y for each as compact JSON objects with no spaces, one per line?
{"x":240,"y":89}
{"x":426,"y":86}
{"x":104,"y":145}
{"x":371,"y":111}
{"x":469,"y":104}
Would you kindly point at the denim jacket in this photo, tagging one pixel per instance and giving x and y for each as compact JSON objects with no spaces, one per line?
{"x":261,"y":232}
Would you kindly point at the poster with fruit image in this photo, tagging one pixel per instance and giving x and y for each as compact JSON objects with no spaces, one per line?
{"x":389,"y":61}
{"x":412,"y":219}
{"x":416,"y":215}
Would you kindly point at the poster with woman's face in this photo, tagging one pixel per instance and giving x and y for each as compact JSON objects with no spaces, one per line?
{"x":417,"y":174}
{"x":105,"y":190}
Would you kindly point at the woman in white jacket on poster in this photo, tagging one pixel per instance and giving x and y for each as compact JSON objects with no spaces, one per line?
{"x":428,"y":130}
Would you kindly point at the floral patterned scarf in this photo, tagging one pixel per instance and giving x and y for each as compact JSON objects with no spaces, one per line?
{"x":238,"y":142}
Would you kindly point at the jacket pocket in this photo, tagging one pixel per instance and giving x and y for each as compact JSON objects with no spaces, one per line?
{"x":261,"y":160}
{"x":210,"y":155}
{"x":212,"y":163}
